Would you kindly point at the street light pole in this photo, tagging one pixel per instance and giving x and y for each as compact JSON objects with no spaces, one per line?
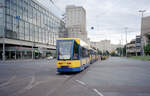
{"x":142,"y":43}
{"x":121,"y":43}
{"x":126,"y":28}
{"x":120,"y":49}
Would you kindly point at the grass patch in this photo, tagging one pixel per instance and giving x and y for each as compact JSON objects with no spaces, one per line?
{"x":140,"y":58}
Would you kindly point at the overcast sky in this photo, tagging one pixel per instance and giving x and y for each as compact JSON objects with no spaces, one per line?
{"x":108,"y":17}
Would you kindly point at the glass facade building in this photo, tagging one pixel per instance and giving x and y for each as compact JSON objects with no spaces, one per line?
{"x":29,"y":21}
{"x":1,"y":17}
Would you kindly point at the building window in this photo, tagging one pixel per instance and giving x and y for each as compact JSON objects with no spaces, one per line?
{"x":27,"y":31}
{"x":34,"y":16}
{"x":30,"y":14}
{"x":36,"y":34}
{"x":21,"y":30}
{"x":40,"y":35}
{"x":26,"y":20}
{"x":20,"y":8}
{"x":31,"y":32}
{"x":38,"y":18}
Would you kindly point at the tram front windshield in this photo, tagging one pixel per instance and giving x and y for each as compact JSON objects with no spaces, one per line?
{"x":65,"y":49}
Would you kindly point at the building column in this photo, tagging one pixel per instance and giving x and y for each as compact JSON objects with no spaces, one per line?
{"x":9,"y":54}
{"x":32,"y":52}
{"x":21,"y":54}
{"x":15,"y":55}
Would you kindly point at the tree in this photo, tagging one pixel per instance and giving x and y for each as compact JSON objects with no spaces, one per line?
{"x":106,"y":53}
{"x":121,"y":51}
{"x":147,"y":49}
{"x":124,"y":51}
{"x":113,"y":53}
{"x":99,"y":52}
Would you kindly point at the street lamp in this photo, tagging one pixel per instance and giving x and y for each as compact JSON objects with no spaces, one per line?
{"x":126,"y":28}
{"x":142,"y":45}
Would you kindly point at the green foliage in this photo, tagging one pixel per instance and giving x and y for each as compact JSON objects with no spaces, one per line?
{"x":113,"y":53}
{"x":147,"y":49}
{"x":99,"y":52}
{"x":140,"y":57}
{"x":121,"y":51}
{"x":106,"y":53}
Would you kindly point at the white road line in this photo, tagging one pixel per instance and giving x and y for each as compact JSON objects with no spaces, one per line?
{"x":99,"y":93}
{"x":80,"y":82}
{"x":67,"y":76}
{"x":9,"y":81}
{"x":30,"y":85}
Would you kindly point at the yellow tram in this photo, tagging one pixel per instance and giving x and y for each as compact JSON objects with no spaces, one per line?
{"x":73,"y":55}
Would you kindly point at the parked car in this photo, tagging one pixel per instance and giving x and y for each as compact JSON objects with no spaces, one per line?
{"x":50,"y":57}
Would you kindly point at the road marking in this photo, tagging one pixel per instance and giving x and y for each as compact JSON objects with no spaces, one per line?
{"x":30,"y":85}
{"x":9,"y":81}
{"x":99,"y":93}
{"x":80,"y":82}
{"x":67,"y":76}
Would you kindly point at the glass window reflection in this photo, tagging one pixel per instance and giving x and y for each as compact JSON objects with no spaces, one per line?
{"x":26,"y":20}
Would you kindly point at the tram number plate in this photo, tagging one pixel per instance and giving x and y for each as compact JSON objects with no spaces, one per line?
{"x":64,"y":66}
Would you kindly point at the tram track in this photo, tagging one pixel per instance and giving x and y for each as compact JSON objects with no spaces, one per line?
{"x":48,"y":79}
{"x":74,"y":79}
{"x":71,"y":79}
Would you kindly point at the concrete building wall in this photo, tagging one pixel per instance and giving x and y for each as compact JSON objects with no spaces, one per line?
{"x":105,"y":45}
{"x":63,"y":32}
{"x":134,"y":47}
{"x":138,"y":45}
{"x":146,"y":29}
{"x":76,"y":22}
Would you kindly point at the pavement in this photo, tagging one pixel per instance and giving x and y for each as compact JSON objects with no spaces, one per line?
{"x":113,"y":77}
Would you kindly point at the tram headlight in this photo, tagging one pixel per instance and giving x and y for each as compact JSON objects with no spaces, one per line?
{"x":69,"y":63}
{"x":60,"y":63}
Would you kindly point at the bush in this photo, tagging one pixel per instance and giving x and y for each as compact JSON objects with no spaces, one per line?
{"x":147,"y":49}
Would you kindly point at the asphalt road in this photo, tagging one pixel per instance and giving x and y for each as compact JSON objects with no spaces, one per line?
{"x":113,"y":77}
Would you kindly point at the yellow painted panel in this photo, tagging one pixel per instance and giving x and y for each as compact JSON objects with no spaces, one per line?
{"x":74,"y":63}
{"x":85,"y":60}
{"x":78,"y":41}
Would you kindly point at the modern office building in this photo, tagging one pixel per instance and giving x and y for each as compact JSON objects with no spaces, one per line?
{"x":146,"y":30}
{"x":105,"y":45}
{"x":134,"y":47}
{"x":131,"y":48}
{"x":76,"y":22}
{"x":138,"y":45}
{"x":28,"y":29}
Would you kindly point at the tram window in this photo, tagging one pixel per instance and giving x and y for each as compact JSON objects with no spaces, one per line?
{"x":84,"y":52}
{"x":76,"y":51}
